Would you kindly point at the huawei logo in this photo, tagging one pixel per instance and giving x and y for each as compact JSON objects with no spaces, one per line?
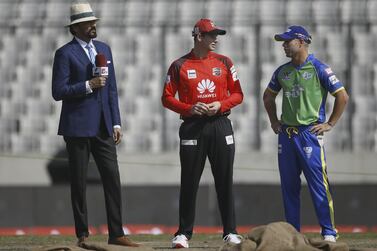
{"x":206,"y":84}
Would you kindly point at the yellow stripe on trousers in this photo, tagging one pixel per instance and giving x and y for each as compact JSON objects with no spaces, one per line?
{"x":326,"y":183}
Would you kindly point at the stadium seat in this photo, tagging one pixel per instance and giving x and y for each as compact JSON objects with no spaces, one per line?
{"x":244,"y":141}
{"x":362,"y":80}
{"x":164,"y":12}
{"x":32,"y":125}
{"x":326,"y":12}
{"x":31,"y":14}
{"x":267,"y":70}
{"x":138,"y":14}
{"x":371,"y":11}
{"x":362,"y":43}
{"x":337,"y":49}
{"x":154,"y":85}
{"x":41,"y":50}
{"x":146,"y":53}
{"x":155,"y":143}
{"x":190,"y":11}
{"x":112,"y":13}
{"x":13,"y":51}
{"x":246,"y":74}
{"x":231,"y":45}
{"x":177,"y":45}
{"x":50,"y":143}
{"x":364,"y":129}
{"x":21,"y":143}
{"x":374,"y":80}
{"x":268,"y":139}
{"x":8,"y":12}
{"x":219,"y":11}
{"x":245,"y":12}
{"x":364,"y":105}
{"x":267,"y":42}
{"x":8,"y":74}
{"x":124,"y":50}
{"x":298,"y":12}
{"x":272,"y":12}
{"x":8,"y":122}
{"x":239,"y":46}
{"x":38,"y":108}
{"x":5,"y":142}
{"x":354,"y":11}
{"x":57,"y":13}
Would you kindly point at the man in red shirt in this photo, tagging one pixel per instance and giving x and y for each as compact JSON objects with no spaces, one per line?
{"x":208,"y":87}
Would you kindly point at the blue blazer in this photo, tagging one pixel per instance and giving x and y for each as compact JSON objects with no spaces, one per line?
{"x":81,"y":113}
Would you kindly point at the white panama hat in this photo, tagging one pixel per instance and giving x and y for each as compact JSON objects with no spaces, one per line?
{"x":81,"y":12}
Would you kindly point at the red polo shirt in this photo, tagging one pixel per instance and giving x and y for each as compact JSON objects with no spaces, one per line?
{"x":205,"y":80}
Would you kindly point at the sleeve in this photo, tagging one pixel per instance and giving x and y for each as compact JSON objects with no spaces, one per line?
{"x":168,"y":98}
{"x":328,"y":79}
{"x":61,"y":87}
{"x":234,"y":88}
{"x":113,"y":92}
{"x":274,"y":84}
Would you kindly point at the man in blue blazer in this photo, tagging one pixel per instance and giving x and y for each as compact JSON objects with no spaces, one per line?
{"x":90,"y":120}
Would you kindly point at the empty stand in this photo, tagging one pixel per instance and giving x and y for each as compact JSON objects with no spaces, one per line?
{"x":354,"y":11}
{"x":164,"y":12}
{"x":190,"y":11}
{"x":112,"y":13}
{"x":363,"y":42}
{"x":272,"y":11}
{"x":245,"y":12}
{"x":219,"y":11}
{"x":299,"y":12}
{"x":326,"y":11}
{"x":57,"y":13}
{"x":371,"y":11}
{"x":361,"y":82}
{"x":31,"y":14}
{"x":137,"y":14}
{"x":139,"y":30}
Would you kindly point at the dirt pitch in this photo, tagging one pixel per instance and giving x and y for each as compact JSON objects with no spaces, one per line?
{"x":159,"y":242}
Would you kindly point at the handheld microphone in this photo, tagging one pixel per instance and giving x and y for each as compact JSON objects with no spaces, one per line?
{"x":101,"y":69}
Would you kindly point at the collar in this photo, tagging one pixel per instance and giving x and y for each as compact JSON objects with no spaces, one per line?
{"x":191,"y":55}
{"x":308,"y":59}
{"x":83,"y":43}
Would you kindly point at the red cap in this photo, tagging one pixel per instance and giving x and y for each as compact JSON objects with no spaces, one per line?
{"x":206,"y":25}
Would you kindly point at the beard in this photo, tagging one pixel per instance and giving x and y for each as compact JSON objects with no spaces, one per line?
{"x":92,"y":33}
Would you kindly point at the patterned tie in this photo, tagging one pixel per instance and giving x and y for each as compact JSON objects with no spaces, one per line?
{"x":91,"y":54}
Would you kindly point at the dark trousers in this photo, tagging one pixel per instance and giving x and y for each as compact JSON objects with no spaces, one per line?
{"x":199,"y":138}
{"x":104,"y":153}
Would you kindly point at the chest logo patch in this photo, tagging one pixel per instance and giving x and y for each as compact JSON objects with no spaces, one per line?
{"x":216,"y":71}
{"x":208,"y":85}
{"x":307,"y":75}
{"x":286,"y":75}
{"x":191,"y":74}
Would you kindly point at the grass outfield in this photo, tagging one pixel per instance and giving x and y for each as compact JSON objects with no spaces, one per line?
{"x":161,"y":242}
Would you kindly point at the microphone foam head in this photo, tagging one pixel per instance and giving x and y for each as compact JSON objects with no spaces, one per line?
{"x":101,"y":60}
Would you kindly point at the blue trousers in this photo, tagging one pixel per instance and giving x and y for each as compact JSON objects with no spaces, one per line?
{"x":302,"y":151}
